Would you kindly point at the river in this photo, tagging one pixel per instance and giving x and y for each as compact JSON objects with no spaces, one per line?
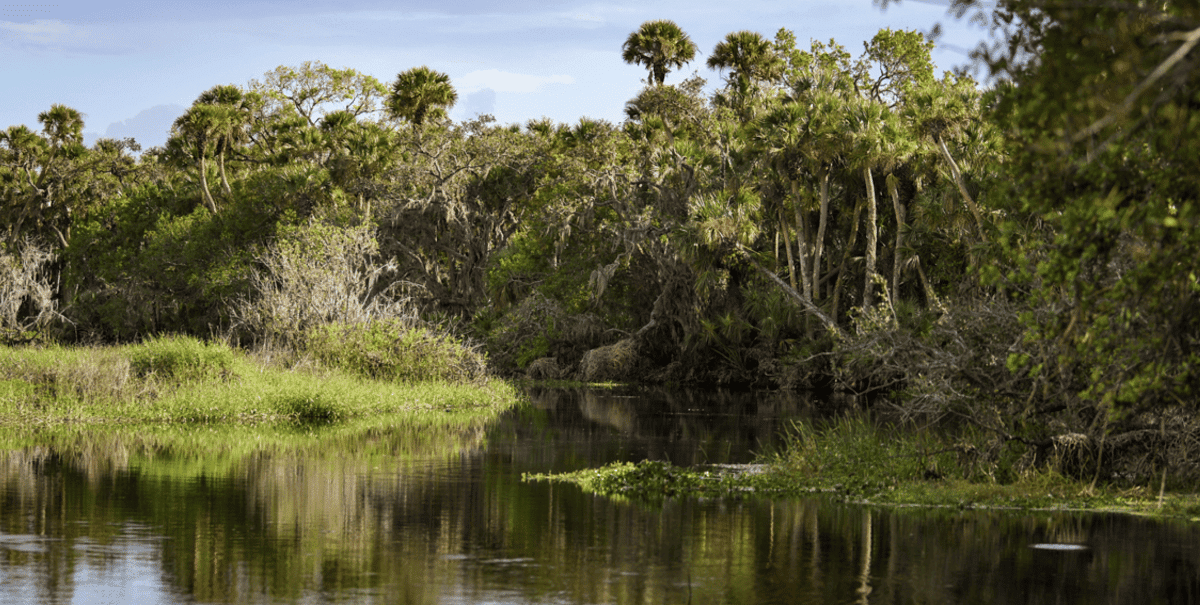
{"x":402,"y":513}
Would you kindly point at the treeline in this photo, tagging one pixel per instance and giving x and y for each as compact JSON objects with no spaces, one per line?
{"x":1020,"y":258}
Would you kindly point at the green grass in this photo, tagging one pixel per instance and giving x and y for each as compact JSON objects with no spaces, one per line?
{"x":182,"y":380}
{"x":855,"y":460}
{"x":215,"y":449}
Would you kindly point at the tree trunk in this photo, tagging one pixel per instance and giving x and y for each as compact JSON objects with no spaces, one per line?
{"x":787,"y":245}
{"x":224,"y":181}
{"x":872,"y":237}
{"x":801,"y":242}
{"x":896,"y":260}
{"x":819,"y":245}
{"x":806,"y":304}
{"x":837,"y":286}
{"x":962,"y":186}
{"x":204,"y":185}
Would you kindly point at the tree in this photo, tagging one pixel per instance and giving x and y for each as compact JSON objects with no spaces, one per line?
{"x":658,"y":46}
{"x":314,"y":89}
{"x":878,"y":141}
{"x":45,"y":176}
{"x":195,"y":138}
{"x":751,"y":60}
{"x":419,"y":94}
{"x":941,"y":111}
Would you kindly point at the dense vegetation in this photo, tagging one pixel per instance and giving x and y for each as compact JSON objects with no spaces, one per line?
{"x":1017,"y":258}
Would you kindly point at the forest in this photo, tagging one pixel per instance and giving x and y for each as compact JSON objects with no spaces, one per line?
{"x":1016,"y":257}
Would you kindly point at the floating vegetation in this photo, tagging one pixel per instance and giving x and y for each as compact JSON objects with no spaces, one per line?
{"x":656,"y":480}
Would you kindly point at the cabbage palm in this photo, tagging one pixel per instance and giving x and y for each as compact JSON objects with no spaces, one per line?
{"x":194,"y":136}
{"x":419,"y":94}
{"x":878,"y":141}
{"x":658,"y":46}
{"x":941,"y":110}
{"x":749,"y":57}
{"x":230,"y":126}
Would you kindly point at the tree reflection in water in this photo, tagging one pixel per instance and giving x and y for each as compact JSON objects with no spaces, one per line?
{"x":421,"y":512}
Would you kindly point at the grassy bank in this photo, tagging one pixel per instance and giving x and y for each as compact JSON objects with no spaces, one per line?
{"x":183,"y":380}
{"x":855,"y":460}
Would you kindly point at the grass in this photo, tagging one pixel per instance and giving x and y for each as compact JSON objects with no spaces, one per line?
{"x":183,"y":380}
{"x":214,"y":449}
{"x":855,"y":460}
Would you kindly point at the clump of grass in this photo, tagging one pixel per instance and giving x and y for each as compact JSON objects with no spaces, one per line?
{"x":856,"y":455}
{"x":184,"y":380}
{"x":310,"y":407}
{"x":181,"y":358}
{"x":396,"y":351}
{"x":44,"y":375}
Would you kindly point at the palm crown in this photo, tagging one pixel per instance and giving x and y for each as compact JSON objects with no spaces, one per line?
{"x":421,"y":93}
{"x":658,"y":46}
{"x":748,"y":56}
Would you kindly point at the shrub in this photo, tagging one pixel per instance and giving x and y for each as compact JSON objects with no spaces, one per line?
{"x":182,"y":358}
{"x":315,"y":275}
{"x":396,"y":351}
{"x":27,"y":303}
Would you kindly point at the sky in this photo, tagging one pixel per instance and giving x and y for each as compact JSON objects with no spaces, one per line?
{"x":131,"y":66}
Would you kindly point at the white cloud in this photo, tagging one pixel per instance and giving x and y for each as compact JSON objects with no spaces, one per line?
{"x":503,"y":81}
{"x":41,"y":31}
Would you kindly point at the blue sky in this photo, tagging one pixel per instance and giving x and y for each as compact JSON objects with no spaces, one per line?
{"x":518,"y":60}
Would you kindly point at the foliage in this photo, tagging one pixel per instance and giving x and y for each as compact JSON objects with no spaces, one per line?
{"x":658,"y":45}
{"x":180,"y":358}
{"x":822,"y":219}
{"x":183,"y":380}
{"x":396,"y":351}
{"x":27,"y":303}
{"x":313,"y":275}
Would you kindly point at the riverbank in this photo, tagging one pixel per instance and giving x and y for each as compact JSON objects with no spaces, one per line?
{"x":184,"y":380}
{"x":856,"y":461}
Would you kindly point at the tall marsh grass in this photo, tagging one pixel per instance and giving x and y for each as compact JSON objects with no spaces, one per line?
{"x":181,"y":379}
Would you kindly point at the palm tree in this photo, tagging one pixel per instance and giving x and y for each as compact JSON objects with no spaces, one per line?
{"x":658,"y":45}
{"x":749,"y":57}
{"x":63,"y":125}
{"x":942,"y":109}
{"x":230,"y":124}
{"x":806,"y":135}
{"x":193,"y":136}
{"x":878,"y":142}
{"x":419,"y":94}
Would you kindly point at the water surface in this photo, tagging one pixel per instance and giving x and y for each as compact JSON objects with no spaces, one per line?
{"x":396,"y":512}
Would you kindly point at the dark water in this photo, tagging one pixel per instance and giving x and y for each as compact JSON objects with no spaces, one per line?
{"x":364,"y":516}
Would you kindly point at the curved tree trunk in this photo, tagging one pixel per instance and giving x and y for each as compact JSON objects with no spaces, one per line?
{"x":204,"y":185}
{"x":962,"y":186}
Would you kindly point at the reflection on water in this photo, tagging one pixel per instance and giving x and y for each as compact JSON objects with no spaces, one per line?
{"x":401,"y":513}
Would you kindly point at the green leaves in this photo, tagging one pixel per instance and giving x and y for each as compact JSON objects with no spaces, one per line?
{"x":419,"y":94}
{"x":658,"y":45}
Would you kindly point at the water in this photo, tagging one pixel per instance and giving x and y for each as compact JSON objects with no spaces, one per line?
{"x":404,"y":514}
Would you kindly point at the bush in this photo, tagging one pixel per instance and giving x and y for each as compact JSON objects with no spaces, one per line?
{"x":315,"y":275}
{"x":27,"y":303}
{"x":396,"y":351}
{"x":181,"y":358}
